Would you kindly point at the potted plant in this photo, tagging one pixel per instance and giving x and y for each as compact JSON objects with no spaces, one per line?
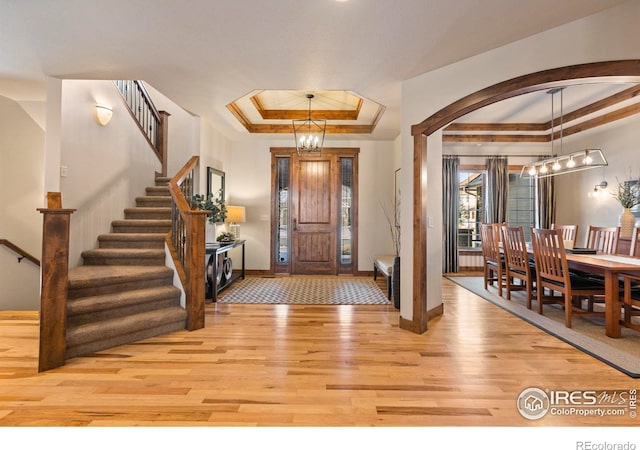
{"x":215,"y":206}
{"x":628,"y":195}
{"x":217,"y":211}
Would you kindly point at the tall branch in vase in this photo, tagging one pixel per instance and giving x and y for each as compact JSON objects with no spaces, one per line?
{"x":393,"y":220}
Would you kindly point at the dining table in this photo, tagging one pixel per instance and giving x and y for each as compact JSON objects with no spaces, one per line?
{"x":611,"y":267}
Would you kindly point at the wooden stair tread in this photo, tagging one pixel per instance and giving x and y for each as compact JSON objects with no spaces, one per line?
{"x":96,"y":303}
{"x":87,"y":275}
{"x":103,"y":330}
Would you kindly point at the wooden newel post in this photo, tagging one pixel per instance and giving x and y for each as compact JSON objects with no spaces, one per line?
{"x":55,"y":275}
{"x":195,"y":222}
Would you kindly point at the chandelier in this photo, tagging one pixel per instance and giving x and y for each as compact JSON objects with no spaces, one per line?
{"x":563,"y":163}
{"x":309,"y":133}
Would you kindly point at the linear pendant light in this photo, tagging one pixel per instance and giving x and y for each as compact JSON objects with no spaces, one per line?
{"x":563,"y":163}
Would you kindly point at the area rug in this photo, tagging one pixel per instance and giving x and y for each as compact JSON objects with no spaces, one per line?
{"x":587,"y":333}
{"x":305,"y":291}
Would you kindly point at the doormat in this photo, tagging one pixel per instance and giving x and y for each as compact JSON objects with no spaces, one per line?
{"x":305,"y":291}
{"x":587,"y":333}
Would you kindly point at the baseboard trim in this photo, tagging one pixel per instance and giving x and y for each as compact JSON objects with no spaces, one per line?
{"x":420,"y":328}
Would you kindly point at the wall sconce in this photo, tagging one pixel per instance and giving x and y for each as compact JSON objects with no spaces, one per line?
{"x":103,"y":114}
{"x":598,"y":188}
{"x":235,"y":216}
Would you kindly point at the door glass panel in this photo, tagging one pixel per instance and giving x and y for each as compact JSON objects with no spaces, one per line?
{"x":282,"y":227}
{"x":346,"y":210}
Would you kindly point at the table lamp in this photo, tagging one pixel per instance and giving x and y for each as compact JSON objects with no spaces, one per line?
{"x":235,"y":216}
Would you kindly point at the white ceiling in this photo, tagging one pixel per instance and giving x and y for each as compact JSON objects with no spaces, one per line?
{"x":204,"y":54}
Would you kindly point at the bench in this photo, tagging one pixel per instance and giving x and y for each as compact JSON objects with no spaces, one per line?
{"x":383,"y":264}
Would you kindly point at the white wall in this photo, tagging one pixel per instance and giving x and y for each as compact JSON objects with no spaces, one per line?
{"x":108,"y":167}
{"x":575,"y":202}
{"x":22,"y":181}
{"x":248,"y":183}
{"x":612,"y":34}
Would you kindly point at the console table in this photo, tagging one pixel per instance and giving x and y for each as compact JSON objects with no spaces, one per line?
{"x":219,"y":269}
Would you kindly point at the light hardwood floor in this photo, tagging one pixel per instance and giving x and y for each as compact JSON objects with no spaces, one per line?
{"x":264,"y":365}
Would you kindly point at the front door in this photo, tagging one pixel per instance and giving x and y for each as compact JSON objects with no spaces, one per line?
{"x":313,"y":225}
{"x":314,"y":216}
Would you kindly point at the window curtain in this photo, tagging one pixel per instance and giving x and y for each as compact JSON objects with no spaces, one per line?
{"x":497,"y":192}
{"x":546,"y":202}
{"x":450,"y":202}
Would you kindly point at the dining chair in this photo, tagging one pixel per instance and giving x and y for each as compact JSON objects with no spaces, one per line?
{"x":603,"y":239}
{"x":552,"y":273}
{"x":631,"y":287}
{"x":569,"y":232}
{"x":517,"y":263}
{"x":493,"y":261}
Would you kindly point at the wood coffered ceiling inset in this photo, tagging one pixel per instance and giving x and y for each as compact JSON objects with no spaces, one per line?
{"x":610,"y":108}
{"x":271,"y":111}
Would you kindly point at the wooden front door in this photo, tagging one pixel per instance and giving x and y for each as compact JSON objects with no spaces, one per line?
{"x":314,"y":216}
{"x":313,"y":232}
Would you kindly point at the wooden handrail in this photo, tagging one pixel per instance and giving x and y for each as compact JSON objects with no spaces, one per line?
{"x":151,"y":122}
{"x":187,"y":242}
{"x":23,"y":253}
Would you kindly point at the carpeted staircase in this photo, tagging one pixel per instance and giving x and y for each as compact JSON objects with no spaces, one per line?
{"x":124,"y":292}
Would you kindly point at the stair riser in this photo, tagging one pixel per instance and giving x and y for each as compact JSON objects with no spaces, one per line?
{"x":157,"y":245}
{"x":124,"y":228}
{"x":144,"y":215}
{"x":125,"y":311}
{"x":123,"y":261}
{"x":153,"y":202}
{"x":154,"y":191}
{"x":102,"y":289}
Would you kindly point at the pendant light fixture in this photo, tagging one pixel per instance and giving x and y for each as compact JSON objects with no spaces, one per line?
{"x":560,"y":164}
{"x":309,"y":133}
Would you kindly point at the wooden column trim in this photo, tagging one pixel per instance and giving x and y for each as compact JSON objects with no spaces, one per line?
{"x":418,"y":323}
{"x":53,"y":296}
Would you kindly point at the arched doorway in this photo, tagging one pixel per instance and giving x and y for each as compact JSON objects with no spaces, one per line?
{"x":619,"y":71}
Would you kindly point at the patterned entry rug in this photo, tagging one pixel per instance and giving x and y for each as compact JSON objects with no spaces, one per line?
{"x":305,"y":291}
{"x":586,"y":334}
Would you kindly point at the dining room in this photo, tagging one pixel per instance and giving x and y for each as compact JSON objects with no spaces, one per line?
{"x":496,"y":170}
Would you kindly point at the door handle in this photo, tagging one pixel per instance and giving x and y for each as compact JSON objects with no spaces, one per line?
{"x":295,"y":225}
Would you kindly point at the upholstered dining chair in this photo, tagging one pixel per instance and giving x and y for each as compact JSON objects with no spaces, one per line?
{"x":569,"y":232}
{"x":603,"y":239}
{"x":493,"y":261}
{"x":552,"y":273}
{"x":517,"y":263}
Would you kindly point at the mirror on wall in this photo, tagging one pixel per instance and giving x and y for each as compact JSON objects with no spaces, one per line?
{"x":215,"y":181}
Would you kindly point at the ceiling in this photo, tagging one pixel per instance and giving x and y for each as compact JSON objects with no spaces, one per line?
{"x":208,"y":54}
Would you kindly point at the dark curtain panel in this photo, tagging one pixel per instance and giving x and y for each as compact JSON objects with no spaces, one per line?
{"x":497,"y":191}
{"x":450,"y":201}
{"x":546,"y":199}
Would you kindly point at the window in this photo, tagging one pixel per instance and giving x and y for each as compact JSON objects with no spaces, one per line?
{"x":282,"y":234}
{"x":520,"y":205}
{"x":470,"y":208}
